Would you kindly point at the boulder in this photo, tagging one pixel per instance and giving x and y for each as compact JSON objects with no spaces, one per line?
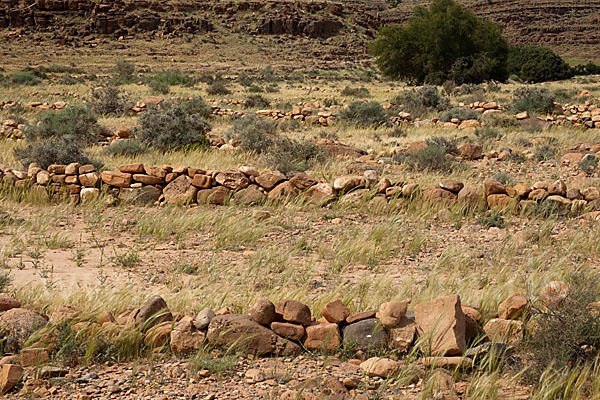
{"x":402,"y":336}
{"x":284,"y":191}
{"x":512,"y":307}
{"x":90,"y":180}
{"x":135,"y":168}
{"x":9,"y":377}
{"x":472,"y":196}
{"x":249,"y":195}
{"x":232,"y":180}
{"x":7,"y":303}
{"x":148,"y":179}
{"x":17,"y":324}
{"x":263,"y":312}
{"x":347,"y":183}
{"x":558,"y":188}
{"x":154,"y":311}
{"x":470,"y":151}
{"x":320,"y":194}
{"x":360,"y":316}
{"x":288,"y":331}
{"x":391,"y":313}
{"x":180,"y":191}
{"x":442,"y":321}
{"x":452,"y":185}
{"x":268,"y":179}
{"x":335,"y":311}
{"x":366,"y":335}
{"x":202,"y":181}
{"x":493,"y":187}
{"x":114,"y":178}
{"x":322,"y":337}
{"x":302,"y":181}
{"x":216,"y":195}
{"x":145,"y":195}
{"x":499,"y":201}
{"x":438,"y":195}
{"x":245,"y":334}
{"x":203,"y":318}
{"x":382,"y":367}
{"x":185,"y":337}
{"x":504,"y":331}
{"x":294,"y":311}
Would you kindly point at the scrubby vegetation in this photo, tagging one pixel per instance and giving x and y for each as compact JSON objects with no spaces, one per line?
{"x":419,"y":102}
{"x":364,"y":115}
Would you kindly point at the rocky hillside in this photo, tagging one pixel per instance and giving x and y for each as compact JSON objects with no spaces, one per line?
{"x":569,"y":26}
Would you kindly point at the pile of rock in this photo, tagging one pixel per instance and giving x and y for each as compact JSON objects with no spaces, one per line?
{"x":484,"y":107}
{"x":142,"y":184}
{"x":5,"y":105}
{"x":225,"y":112}
{"x":143,"y":104}
{"x":11,"y":129}
{"x":581,"y":115}
{"x":299,"y":113}
{"x":39,"y":106}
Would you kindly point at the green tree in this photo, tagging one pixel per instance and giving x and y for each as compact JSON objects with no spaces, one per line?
{"x":444,"y":41}
{"x":537,"y":64}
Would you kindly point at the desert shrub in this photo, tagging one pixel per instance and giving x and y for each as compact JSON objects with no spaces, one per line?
{"x":448,"y":145}
{"x":566,"y":331}
{"x":75,"y":123}
{"x":537,"y":64}
{"x":256,"y":101}
{"x":272,"y":88}
{"x":125,"y":70}
{"x":255,"y":134}
{"x":23,"y":78}
{"x":195,"y":106}
{"x":473,"y":49}
{"x":128,"y":147}
{"x":533,"y":99}
{"x":70,"y":80}
{"x":355,"y":92}
{"x":370,"y":114}
{"x":267,"y":74}
{"x":586,"y":69}
{"x":173,"y":127}
{"x":397,"y":132}
{"x":430,"y":158}
{"x":488,"y":133}
{"x":173,"y":78}
{"x":544,"y":153}
{"x":159,"y":87}
{"x":218,"y":88}
{"x":245,"y":79}
{"x":423,"y":100}
{"x":504,"y":178}
{"x":255,"y":89}
{"x":497,"y":120}
{"x":290,"y":155}
{"x":461,"y":114}
{"x":449,"y":87}
{"x":287,"y":125}
{"x":110,"y":100}
{"x":54,"y":150}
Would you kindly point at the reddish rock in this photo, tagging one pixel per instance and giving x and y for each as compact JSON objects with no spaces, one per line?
{"x":269,"y":179}
{"x":232,"y":180}
{"x":294,"y":311}
{"x":202,"y":181}
{"x":216,"y":195}
{"x":180,"y":191}
{"x":135,"y":168}
{"x":7,"y":302}
{"x":443,"y":321}
{"x":288,"y":331}
{"x":360,"y":316}
{"x":335,"y":311}
{"x":391,"y":313}
{"x":512,"y":307}
{"x":263,"y":312}
{"x":9,"y":377}
{"x":322,"y":337}
{"x":185,"y":338}
{"x":504,"y":331}
{"x":118,"y":179}
{"x":493,"y":187}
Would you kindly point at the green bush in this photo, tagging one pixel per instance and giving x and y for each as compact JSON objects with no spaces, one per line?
{"x":461,"y":114}
{"x":195,"y":106}
{"x":419,"y":102}
{"x":445,"y":41}
{"x":124,"y":70}
{"x":364,"y":115}
{"x":172,"y":128}
{"x":544,"y":153}
{"x":448,"y":145}
{"x":218,"y":88}
{"x":128,"y":147}
{"x":110,"y":100}
{"x":587,"y":69}
{"x":355,"y":92}
{"x":75,"y":123}
{"x":173,"y":78}
{"x":292,"y":155}
{"x":256,"y":101}
{"x":54,"y":150}
{"x":488,"y":133}
{"x":537,"y":64}
{"x":533,"y":99}
{"x":23,"y":78}
{"x":430,"y":158}
{"x":255,"y":134}
{"x":159,"y":87}
{"x":70,"y":80}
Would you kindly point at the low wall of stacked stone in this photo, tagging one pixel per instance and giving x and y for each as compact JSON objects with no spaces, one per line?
{"x":165,"y":184}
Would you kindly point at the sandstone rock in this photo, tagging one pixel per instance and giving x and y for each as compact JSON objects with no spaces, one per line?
{"x":7,"y":303}
{"x":135,"y":168}
{"x":34,"y":356}
{"x":57,"y":169}
{"x":366,"y":335}
{"x":154,"y":311}
{"x":382,"y":367}
{"x":118,"y":179}
{"x":371,"y":177}
{"x":156,"y":172}
{"x":284,"y":191}
{"x":558,"y":187}
{"x":571,"y":158}
{"x":216,"y":195}
{"x":148,"y":180}
{"x":499,"y":201}
{"x":232,"y":180}
{"x":452,"y":185}
{"x":72,"y":169}
{"x":248,"y":335}
{"x":505,"y":331}
{"x":522,"y":190}
{"x":269,"y":179}
{"x":591,"y":193}
{"x":17,"y":325}
{"x":360,"y":316}
{"x":391,"y":313}
{"x":347,"y":183}
{"x":512,"y":307}
{"x":43,"y":177}
{"x":203,"y":318}
{"x":537,"y":194}
{"x":202,"y":181}
{"x":146,"y":195}
{"x":9,"y":377}
{"x":89,"y":194}
{"x":493,"y":187}
{"x":249,"y":195}
{"x":294,"y":311}
{"x":185,"y":337}
{"x":249,"y":171}
{"x":319,"y":194}
{"x":438,"y":195}
{"x":288,"y":331}
{"x":472,"y":196}
{"x":302,"y":181}
{"x":470,"y":151}
{"x":403,"y":335}
{"x":263,"y":312}
{"x":335,"y":311}
{"x":472,"y":319}
{"x":180,"y":191}
{"x":158,"y":335}
{"x":443,"y":321}
{"x":322,"y":337}
{"x":447,"y":362}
